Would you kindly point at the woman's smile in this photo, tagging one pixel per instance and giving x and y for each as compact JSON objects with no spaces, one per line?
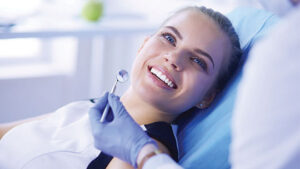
{"x":161,"y":77}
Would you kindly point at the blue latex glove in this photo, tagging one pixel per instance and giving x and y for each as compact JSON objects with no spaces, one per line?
{"x":120,"y":137}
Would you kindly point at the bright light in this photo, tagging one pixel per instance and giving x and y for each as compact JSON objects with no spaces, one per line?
{"x":19,"y":48}
{"x":18,"y":8}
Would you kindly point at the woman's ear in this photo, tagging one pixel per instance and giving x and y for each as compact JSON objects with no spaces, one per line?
{"x":206,"y":102}
{"x":145,"y":40}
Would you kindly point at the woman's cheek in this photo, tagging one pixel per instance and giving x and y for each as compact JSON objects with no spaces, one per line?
{"x":136,"y":69}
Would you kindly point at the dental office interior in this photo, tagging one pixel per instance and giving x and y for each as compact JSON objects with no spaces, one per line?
{"x":51,"y":54}
{"x":55,"y":52}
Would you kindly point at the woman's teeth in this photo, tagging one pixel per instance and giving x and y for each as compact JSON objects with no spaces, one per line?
{"x":162,"y":77}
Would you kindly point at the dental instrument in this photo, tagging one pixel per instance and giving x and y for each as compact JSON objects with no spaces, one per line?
{"x":122,"y":77}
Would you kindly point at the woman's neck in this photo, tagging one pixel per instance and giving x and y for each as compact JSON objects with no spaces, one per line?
{"x":141,"y":111}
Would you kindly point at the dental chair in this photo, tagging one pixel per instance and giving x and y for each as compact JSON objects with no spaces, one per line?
{"x":204,"y":137}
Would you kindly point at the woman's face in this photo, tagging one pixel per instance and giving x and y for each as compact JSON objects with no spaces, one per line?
{"x":176,"y":67}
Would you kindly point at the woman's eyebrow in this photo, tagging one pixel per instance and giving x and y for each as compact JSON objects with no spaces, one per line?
{"x":175,"y":31}
{"x":201,"y":52}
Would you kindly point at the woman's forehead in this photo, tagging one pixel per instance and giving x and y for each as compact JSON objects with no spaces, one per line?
{"x":193,"y":20}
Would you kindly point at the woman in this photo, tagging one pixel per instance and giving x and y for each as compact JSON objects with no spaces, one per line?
{"x":186,"y":63}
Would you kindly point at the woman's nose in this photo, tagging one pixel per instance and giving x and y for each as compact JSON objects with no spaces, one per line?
{"x":174,"y":61}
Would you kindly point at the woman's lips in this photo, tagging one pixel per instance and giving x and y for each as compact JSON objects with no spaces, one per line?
{"x":161,"y":77}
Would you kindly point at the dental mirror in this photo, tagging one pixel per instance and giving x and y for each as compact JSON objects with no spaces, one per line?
{"x":122,"y":77}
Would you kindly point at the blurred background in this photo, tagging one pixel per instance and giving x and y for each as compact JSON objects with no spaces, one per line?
{"x":53,"y":52}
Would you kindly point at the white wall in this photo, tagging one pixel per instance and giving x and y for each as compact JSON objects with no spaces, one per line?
{"x":97,"y":60}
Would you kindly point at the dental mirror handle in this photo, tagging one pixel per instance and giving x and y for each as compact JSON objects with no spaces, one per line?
{"x":107,"y":106}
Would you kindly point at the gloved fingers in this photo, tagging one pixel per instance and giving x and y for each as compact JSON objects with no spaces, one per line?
{"x":96,"y":111}
{"x":110,"y":116}
{"x":101,"y":103}
{"x":116,"y":105}
{"x":94,"y":115}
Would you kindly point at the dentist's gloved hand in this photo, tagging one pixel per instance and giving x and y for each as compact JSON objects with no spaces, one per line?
{"x":120,"y":137}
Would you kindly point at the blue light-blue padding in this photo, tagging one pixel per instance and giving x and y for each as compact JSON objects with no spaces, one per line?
{"x":204,"y":137}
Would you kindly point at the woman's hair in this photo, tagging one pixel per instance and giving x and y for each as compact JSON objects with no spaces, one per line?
{"x":227,"y":70}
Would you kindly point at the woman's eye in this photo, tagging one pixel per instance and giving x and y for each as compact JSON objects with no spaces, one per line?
{"x":169,"y":38}
{"x":200,"y":62}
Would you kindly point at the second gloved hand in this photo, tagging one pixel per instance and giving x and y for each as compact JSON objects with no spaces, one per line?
{"x":121,"y":137}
